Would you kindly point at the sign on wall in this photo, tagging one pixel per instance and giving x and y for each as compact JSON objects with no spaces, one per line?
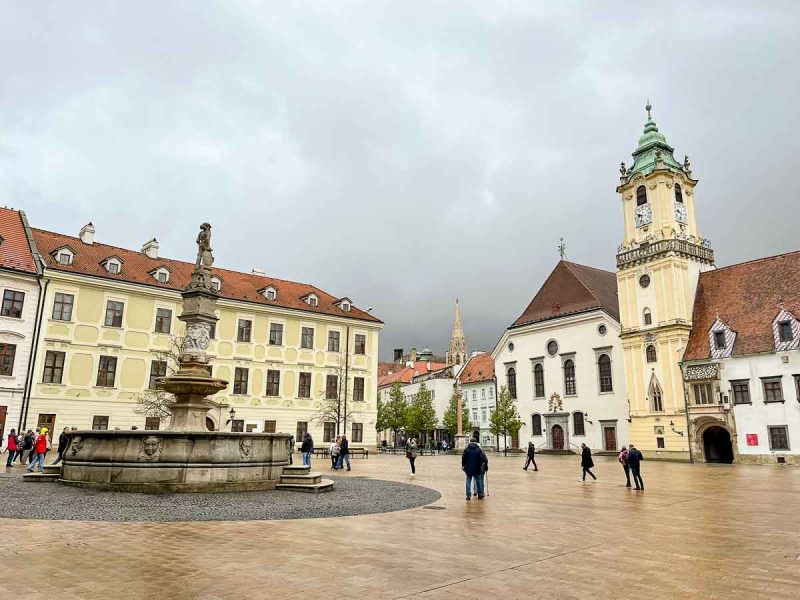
{"x":752,"y":439}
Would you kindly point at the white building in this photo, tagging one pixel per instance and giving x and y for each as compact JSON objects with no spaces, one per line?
{"x":19,"y":289}
{"x":477,"y":384}
{"x":562,"y":361}
{"x":742,"y":364}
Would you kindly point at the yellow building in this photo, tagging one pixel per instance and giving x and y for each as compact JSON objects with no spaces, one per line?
{"x":658,"y":266}
{"x":110,"y":316}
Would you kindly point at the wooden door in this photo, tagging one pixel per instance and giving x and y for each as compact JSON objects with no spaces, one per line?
{"x":3,"y":414}
{"x":49,"y":421}
{"x":610,"y":436}
{"x":515,"y":440}
{"x":558,"y":437}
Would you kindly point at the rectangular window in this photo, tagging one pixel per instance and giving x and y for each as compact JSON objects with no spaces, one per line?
{"x":212,"y":330}
{"x":797,"y":387}
{"x":773,"y":391}
{"x":333,"y":341}
{"x":358,"y":433}
{"x":778,"y":437}
{"x":12,"y":304}
{"x":62,"y":306}
{"x":270,"y":426}
{"x":361,"y":344}
{"x":578,"y":424}
{"x":483,"y":393}
{"x":302,"y":429}
{"x":304,"y":385}
{"x":276,"y":334}
{"x":491,"y":393}
{"x":307,"y":338}
{"x":719,"y":339}
{"x":703,"y":393}
{"x":158,"y":368}
{"x":163,"y":320}
{"x":659,"y":442}
{"x":483,"y":414}
{"x":741,"y":391}
{"x":152,"y":423}
{"x":474,"y":394}
{"x":243,"y":332}
{"x":250,"y":427}
{"x":358,"y":389}
{"x":273,"y":382}
{"x":107,"y":371}
{"x":331,"y":387}
{"x":785,"y":331}
{"x":53,"y":366}
{"x":240,"y":375}
{"x":100,"y":423}
{"x":328,"y":432}
{"x":237,"y":425}
{"x":114,"y":313}
{"x":7,"y":354}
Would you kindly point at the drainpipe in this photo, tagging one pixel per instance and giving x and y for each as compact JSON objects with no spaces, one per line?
{"x":686,"y":412}
{"x":37,"y":328}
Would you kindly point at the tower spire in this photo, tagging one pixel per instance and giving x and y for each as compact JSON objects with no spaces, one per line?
{"x":457,"y":352}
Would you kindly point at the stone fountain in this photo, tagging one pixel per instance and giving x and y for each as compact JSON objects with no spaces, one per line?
{"x":186,"y":457}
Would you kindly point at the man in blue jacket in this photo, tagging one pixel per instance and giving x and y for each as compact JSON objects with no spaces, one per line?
{"x":474,"y":464}
{"x":634,"y":459}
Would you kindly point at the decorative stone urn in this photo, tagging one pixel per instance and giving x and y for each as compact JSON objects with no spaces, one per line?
{"x":187,"y":457}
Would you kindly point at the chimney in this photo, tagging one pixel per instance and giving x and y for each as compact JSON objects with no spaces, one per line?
{"x":87,"y":233}
{"x":261,"y":272}
{"x":150,"y":249}
{"x":398,"y":355}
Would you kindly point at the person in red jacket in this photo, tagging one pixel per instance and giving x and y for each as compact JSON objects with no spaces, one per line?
{"x":39,"y":449}
{"x":12,"y":447}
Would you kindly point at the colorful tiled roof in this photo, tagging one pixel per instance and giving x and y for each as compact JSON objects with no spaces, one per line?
{"x":138,"y":268}
{"x":478,"y":368}
{"x":405,"y":374}
{"x":747,"y":297}
{"x":15,"y":249}
{"x":572,"y":288}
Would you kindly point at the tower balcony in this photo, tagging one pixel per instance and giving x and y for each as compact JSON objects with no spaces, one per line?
{"x":691,"y":247}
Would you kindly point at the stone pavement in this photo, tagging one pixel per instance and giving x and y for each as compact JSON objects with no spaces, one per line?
{"x":699,"y":531}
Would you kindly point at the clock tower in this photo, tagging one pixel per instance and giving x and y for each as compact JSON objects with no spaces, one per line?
{"x":658,"y":264}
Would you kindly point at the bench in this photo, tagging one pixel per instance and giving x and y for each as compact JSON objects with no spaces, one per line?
{"x":362,"y":452}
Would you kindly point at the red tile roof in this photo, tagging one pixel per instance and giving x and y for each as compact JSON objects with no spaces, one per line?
{"x":137,"y":268}
{"x":478,"y":368}
{"x":747,"y":297}
{"x":15,"y":250}
{"x":572,"y":288}
{"x":405,"y":374}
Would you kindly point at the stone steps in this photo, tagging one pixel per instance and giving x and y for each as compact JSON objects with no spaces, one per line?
{"x":50,"y":469}
{"x":41,"y":477}
{"x":324,"y":485}
{"x":310,"y":478}
{"x":296,"y":470}
{"x":299,"y":478}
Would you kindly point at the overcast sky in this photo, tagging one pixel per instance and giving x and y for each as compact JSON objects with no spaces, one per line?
{"x":400,"y":153}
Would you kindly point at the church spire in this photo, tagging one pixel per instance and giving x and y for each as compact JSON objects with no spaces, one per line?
{"x":457,"y":353}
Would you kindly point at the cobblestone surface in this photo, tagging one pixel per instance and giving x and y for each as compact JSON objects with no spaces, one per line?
{"x":350,"y":496}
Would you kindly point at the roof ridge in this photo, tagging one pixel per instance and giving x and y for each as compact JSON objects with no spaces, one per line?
{"x":754,"y":260}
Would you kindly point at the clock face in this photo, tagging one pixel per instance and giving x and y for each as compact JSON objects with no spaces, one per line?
{"x":644,"y":215}
{"x":680,"y":213}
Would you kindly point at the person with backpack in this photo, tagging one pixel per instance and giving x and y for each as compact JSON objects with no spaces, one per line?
{"x":11,"y":447}
{"x":634,"y":460}
{"x":531,"y":457}
{"x":411,"y":455}
{"x":63,"y":442}
{"x":623,"y":460}
{"x":39,"y":450}
{"x":474,"y":464}
{"x":334,"y":452}
{"x":307,"y":448}
{"x":344,"y":453}
{"x":586,"y":462}
{"x":27,"y":447}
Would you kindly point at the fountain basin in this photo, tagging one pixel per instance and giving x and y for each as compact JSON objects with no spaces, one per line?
{"x":175,"y":461}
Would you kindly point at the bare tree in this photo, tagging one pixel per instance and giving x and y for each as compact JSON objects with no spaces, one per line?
{"x":156,"y":402}
{"x":337,"y":407}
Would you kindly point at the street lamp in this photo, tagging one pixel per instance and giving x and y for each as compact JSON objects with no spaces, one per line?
{"x":232,"y":415}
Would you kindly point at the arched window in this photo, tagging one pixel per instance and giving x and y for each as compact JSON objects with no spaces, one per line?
{"x":650,"y":352}
{"x":577,"y":424}
{"x":678,"y":193}
{"x":604,"y":371}
{"x":536,"y":424}
{"x":641,"y":195}
{"x":656,"y":400}
{"x":538,"y":381}
{"x":511,"y":377}
{"x":648,"y":318}
{"x":569,"y":378}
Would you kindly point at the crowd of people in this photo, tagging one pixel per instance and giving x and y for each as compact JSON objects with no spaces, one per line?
{"x":30,"y":449}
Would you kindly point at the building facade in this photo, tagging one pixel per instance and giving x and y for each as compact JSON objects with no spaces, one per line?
{"x":19,"y":290}
{"x":479,"y":395}
{"x":110,"y":324}
{"x":658,"y":265}
{"x":561,"y":360}
{"x":742,"y":364}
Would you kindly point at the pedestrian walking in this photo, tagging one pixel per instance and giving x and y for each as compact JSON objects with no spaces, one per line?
{"x":307,"y":447}
{"x":344,"y":453}
{"x":474,"y":464}
{"x":11,"y":447}
{"x":623,"y":460}
{"x":634,"y":461}
{"x":27,"y":447}
{"x":291,"y":449}
{"x":334,"y":452}
{"x":39,"y":450}
{"x":531,"y":457}
{"x":586,"y":462}
{"x":411,"y":455}
{"x":63,"y":442}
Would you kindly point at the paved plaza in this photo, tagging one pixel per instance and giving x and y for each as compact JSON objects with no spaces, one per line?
{"x":698,"y":531}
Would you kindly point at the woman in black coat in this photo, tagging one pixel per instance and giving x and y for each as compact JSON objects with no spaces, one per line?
{"x":586,"y":462}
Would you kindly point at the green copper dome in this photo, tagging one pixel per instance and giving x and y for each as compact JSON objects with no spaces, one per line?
{"x":653,"y":147}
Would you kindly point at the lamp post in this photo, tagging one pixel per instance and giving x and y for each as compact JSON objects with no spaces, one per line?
{"x":232,"y":416}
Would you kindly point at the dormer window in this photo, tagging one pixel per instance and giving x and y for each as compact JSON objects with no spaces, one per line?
{"x":113,"y":265}
{"x":216,"y":284}
{"x":346,"y":306}
{"x":344,"y":303}
{"x":721,"y":338}
{"x":270,"y":292}
{"x":312,"y":300}
{"x":64,"y":256}
{"x":786,"y":330}
{"x":161,"y":275}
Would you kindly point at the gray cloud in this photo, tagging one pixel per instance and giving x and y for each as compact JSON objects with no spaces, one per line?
{"x":402,"y":154}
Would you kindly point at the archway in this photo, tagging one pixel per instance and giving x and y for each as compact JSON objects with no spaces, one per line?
{"x":558,"y":437}
{"x":210,"y":425}
{"x":717,"y":445}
